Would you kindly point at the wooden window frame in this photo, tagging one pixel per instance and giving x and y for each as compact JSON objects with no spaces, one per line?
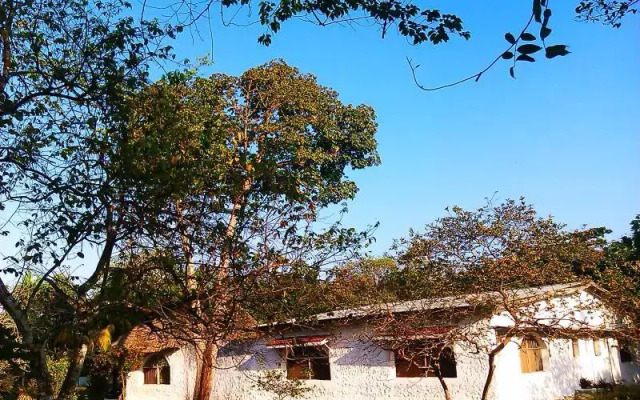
{"x":533,"y":351}
{"x":424,"y":365}
{"x":156,"y":371}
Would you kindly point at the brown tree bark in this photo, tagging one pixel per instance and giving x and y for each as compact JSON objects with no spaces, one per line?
{"x":78,"y":357}
{"x":445,"y":387}
{"x":206,"y":368}
{"x":42,"y":375}
{"x":39,"y":359}
{"x":208,"y":356}
{"x":492,"y":367}
{"x":487,"y":383}
{"x":6,"y":37}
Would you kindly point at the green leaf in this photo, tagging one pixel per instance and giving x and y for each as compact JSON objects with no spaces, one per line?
{"x":529,"y":48}
{"x":507,"y":55}
{"x":544,"y":32}
{"x":509,"y":37}
{"x":527,"y":36}
{"x":556,"y":50}
{"x":524,"y":57}
{"x":512,"y":73}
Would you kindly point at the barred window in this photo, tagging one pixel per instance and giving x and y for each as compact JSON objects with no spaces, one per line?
{"x":308,"y":362}
{"x":425,"y":359}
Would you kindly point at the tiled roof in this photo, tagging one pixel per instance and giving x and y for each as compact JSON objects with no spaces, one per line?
{"x":142,"y":339}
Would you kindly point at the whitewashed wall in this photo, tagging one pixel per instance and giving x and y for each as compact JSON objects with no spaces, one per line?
{"x":183,"y":369}
{"x":359,"y":371}
{"x":562,"y":377}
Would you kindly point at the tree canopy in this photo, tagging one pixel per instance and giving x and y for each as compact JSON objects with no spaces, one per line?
{"x":198,"y":186}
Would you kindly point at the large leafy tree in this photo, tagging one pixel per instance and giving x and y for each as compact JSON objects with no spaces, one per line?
{"x":206,"y":185}
{"x":251,"y":163}
{"x":619,"y":269}
{"x":68,"y":69}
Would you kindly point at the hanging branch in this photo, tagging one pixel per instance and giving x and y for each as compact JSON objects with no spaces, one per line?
{"x":524,"y":51}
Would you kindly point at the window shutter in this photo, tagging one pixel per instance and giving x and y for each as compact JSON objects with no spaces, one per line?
{"x":596,"y":347}
{"x":524,"y":359}
{"x":150,"y":376}
{"x":531,"y":355}
{"x":537,"y":356}
{"x":576,"y":348}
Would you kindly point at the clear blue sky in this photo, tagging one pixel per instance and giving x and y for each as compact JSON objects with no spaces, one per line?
{"x":565,"y":134}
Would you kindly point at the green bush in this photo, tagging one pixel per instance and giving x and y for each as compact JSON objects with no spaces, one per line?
{"x":617,"y":393}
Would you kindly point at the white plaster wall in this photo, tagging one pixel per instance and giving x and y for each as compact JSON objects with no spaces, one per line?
{"x":359,"y":371}
{"x":578,"y":311}
{"x":362,"y":371}
{"x":183,"y":368}
{"x":562,"y":375}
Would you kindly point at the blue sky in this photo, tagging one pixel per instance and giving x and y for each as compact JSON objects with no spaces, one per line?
{"x":564,"y":134}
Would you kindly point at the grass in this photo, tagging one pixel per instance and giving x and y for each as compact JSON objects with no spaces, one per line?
{"x":617,"y":393}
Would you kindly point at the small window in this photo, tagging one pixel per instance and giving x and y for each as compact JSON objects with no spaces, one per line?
{"x":308,"y":362}
{"x":596,"y":347}
{"x":531,"y":353}
{"x":425,"y":359}
{"x":576,"y":348}
{"x":156,"y":371}
{"x":626,"y":355}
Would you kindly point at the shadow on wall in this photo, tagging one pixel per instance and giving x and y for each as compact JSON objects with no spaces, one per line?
{"x":363,"y":354}
{"x":261,"y":360}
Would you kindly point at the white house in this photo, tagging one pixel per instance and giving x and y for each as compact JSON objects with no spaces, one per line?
{"x":341,"y":357}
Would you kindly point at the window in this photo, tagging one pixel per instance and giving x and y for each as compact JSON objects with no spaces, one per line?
{"x":626,"y":355}
{"x":308,"y":362}
{"x":596,"y":347}
{"x":425,"y":359}
{"x":532,"y":351}
{"x":576,"y":348}
{"x":156,"y":371}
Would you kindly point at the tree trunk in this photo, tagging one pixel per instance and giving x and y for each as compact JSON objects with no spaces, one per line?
{"x":38,"y":356}
{"x":73,"y":374}
{"x":445,"y":388}
{"x":42,"y":376}
{"x":487,"y":383}
{"x":492,"y":364}
{"x":206,"y":368}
